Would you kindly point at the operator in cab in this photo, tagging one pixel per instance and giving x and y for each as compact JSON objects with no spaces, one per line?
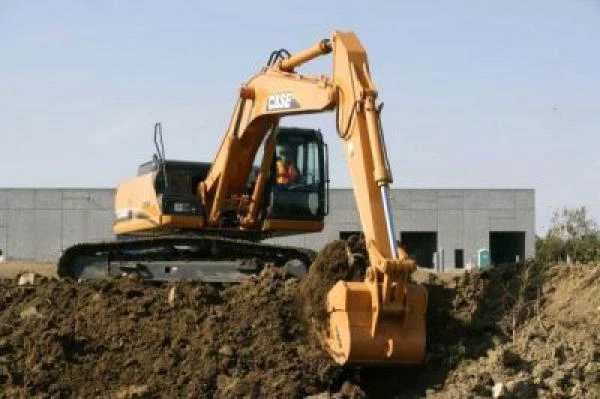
{"x":286,"y":171}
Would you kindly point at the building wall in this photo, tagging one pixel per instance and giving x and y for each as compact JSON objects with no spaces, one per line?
{"x":37,"y":224}
{"x":462,"y":218}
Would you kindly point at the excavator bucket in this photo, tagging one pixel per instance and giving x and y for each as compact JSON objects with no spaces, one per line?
{"x":399,"y":337}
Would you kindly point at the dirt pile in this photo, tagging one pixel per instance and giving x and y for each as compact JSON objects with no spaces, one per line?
{"x":123,"y":338}
{"x":547,"y":343}
{"x":522,"y":331}
{"x":512,"y":331}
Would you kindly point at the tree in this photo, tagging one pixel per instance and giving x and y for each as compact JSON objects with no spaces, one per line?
{"x":573,"y":236}
{"x":569,"y":224}
{"x":550,"y":249}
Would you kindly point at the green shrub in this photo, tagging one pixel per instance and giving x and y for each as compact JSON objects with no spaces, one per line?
{"x":573,"y":236}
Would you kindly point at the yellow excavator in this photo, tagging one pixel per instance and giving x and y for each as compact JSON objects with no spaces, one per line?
{"x":193,"y":220}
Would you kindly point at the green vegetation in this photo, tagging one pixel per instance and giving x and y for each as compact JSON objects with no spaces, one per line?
{"x":573,"y":237}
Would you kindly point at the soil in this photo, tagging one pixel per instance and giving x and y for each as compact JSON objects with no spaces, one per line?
{"x":526,"y":330}
{"x":125,"y":338}
{"x":512,"y":331}
{"x":546,"y":345}
{"x":338,"y":260}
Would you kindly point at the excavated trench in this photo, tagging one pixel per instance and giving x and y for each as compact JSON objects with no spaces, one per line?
{"x":527,"y":330}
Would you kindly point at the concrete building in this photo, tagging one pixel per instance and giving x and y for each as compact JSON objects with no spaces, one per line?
{"x":448,"y":225}
{"x":37,"y":224}
{"x":443,"y":226}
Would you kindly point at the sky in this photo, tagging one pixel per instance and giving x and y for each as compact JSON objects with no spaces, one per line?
{"x":501,"y":94}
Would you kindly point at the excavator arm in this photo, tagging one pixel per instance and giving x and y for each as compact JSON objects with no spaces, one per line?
{"x":380,"y":320}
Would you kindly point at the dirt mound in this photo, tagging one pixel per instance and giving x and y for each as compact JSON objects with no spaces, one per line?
{"x":550,"y":346}
{"x":515,"y":330}
{"x":124,"y":338}
{"x":524,"y":331}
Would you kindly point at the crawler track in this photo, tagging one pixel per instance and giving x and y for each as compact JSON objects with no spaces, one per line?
{"x":165,"y":258}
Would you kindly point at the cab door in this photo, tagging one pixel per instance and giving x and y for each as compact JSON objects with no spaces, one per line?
{"x":302,"y":195}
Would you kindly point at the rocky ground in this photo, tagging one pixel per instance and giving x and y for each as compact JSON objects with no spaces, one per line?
{"x":513,"y":331}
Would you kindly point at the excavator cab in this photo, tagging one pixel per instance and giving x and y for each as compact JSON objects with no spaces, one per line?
{"x":299,"y":176}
